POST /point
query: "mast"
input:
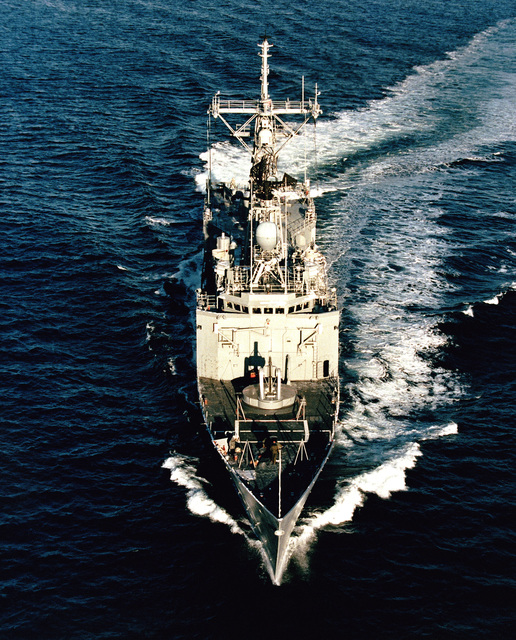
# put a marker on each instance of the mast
(264, 55)
(265, 108)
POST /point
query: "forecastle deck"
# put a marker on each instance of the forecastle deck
(246, 438)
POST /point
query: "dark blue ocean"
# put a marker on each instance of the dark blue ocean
(116, 520)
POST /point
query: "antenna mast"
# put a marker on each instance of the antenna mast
(264, 55)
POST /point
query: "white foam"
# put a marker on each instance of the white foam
(390, 476)
(157, 222)
(228, 161)
(382, 481)
(172, 366)
(184, 474)
(189, 270)
(439, 431)
(494, 300)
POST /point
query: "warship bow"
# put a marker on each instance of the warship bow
(267, 323)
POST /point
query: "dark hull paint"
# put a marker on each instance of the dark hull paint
(273, 533)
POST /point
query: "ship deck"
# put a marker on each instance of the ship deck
(304, 433)
(219, 400)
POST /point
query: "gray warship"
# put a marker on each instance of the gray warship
(267, 322)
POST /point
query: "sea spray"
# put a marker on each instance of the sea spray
(184, 474)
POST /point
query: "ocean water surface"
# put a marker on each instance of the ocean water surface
(117, 522)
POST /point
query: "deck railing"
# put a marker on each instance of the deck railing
(252, 106)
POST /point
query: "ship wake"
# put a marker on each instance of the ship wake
(183, 472)
(351, 493)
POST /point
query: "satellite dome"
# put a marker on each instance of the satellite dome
(267, 235)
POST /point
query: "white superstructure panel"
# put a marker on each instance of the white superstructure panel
(303, 346)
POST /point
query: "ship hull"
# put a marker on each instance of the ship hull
(273, 494)
(273, 533)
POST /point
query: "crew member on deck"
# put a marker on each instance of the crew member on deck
(275, 449)
(233, 448)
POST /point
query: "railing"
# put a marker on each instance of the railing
(206, 302)
(254, 430)
(310, 215)
(296, 284)
(239, 281)
(222, 106)
(251, 106)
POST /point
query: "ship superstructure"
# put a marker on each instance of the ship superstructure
(267, 323)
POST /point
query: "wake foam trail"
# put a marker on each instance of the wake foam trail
(432, 99)
(385, 479)
(184, 474)
(467, 96)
